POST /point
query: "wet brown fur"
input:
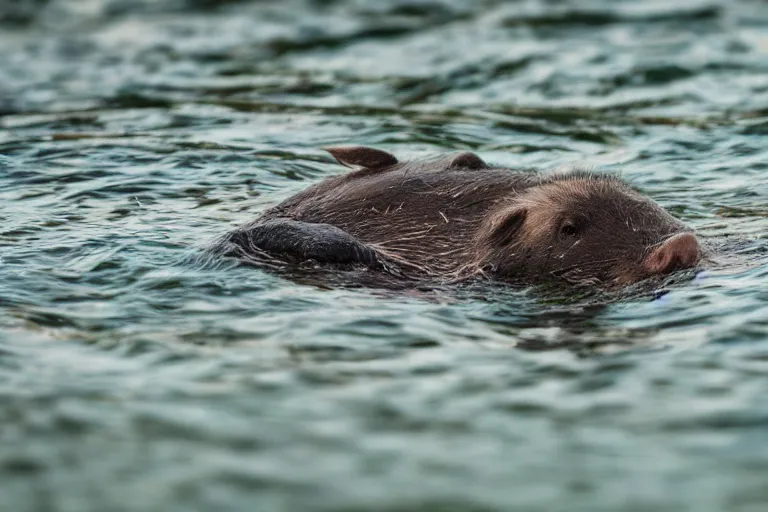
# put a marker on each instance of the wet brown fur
(456, 217)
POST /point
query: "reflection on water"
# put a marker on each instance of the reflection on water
(133, 133)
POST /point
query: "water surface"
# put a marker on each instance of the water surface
(135, 132)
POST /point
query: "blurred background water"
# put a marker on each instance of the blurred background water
(133, 132)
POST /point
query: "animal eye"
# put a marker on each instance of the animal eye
(568, 230)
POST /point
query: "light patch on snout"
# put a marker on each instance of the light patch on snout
(577, 242)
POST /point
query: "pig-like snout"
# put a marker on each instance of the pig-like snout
(677, 252)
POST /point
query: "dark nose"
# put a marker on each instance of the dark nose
(677, 252)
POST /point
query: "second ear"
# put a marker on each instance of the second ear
(508, 225)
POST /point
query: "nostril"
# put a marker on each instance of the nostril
(677, 252)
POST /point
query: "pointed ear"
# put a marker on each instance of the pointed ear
(361, 156)
(467, 160)
(507, 225)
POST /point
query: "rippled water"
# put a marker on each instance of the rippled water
(134, 132)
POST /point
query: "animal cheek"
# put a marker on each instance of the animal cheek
(626, 278)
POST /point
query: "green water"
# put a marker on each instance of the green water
(135, 132)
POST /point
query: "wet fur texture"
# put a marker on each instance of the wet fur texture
(455, 217)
